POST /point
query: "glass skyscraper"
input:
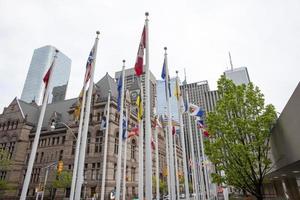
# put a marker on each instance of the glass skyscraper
(41, 60)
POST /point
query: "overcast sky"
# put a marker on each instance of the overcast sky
(263, 35)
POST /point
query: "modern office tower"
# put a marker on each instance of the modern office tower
(131, 81)
(33, 89)
(210, 99)
(161, 98)
(238, 75)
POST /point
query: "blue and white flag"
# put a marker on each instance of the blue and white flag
(164, 76)
(124, 128)
(195, 110)
(120, 82)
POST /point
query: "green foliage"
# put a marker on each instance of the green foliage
(5, 162)
(163, 187)
(63, 180)
(240, 132)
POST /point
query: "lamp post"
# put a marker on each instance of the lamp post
(75, 159)
(46, 177)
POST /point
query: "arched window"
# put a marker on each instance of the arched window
(133, 148)
(116, 143)
(8, 124)
(115, 171)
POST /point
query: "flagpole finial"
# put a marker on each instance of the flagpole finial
(124, 61)
(146, 14)
(98, 33)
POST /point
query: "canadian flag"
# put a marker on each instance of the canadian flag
(47, 76)
(140, 55)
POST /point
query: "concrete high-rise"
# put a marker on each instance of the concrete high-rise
(41, 60)
(238, 75)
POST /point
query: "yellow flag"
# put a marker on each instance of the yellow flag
(139, 104)
(78, 106)
(177, 91)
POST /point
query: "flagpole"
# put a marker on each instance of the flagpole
(125, 153)
(81, 159)
(186, 180)
(171, 172)
(119, 164)
(204, 167)
(105, 148)
(195, 174)
(176, 167)
(168, 161)
(156, 159)
(141, 152)
(76, 156)
(148, 154)
(38, 132)
(200, 162)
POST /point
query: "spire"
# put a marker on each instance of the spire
(230, 60)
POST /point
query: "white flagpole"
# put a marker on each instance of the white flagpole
(168, 160)
(156, 159)
(119, 164)
(105, 148)
(141, 153)
(186, 180)
(194, 164)
(38, 132)
(148, 153)
(76, 156)
(204, 167)
(81, 159)
(200, 161)
(176, 167)
(125, 155)
(172, 170)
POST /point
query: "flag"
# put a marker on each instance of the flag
(120, 82)
(78, 106)
(177, 92)
(103, 123)
(205, 133)
(133, 132)
(195, 110)
(124, 128)
(89, 63)
(164, 76)
(185, 105)
(140, 55)
(200, 124)
(47, 75)
(152, 143)
(173, 130)
(139, 105)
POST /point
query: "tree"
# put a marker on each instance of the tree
(5, 162)
(63, 180)
(239, 131)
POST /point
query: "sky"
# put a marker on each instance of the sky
(263, 35)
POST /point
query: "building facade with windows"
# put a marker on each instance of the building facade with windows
(17, 130)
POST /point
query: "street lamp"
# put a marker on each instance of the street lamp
(74, 174)
(46, 176)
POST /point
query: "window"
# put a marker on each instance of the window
(132, 174)
(93, 171)
(88, 142)
(98, 171)
(42, 156)
(133, 148)
(98, 142)
(85, 171)
(61, 154)
(98, 117)
(63, 140)
(116, 148)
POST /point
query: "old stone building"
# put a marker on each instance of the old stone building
(17, 130)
